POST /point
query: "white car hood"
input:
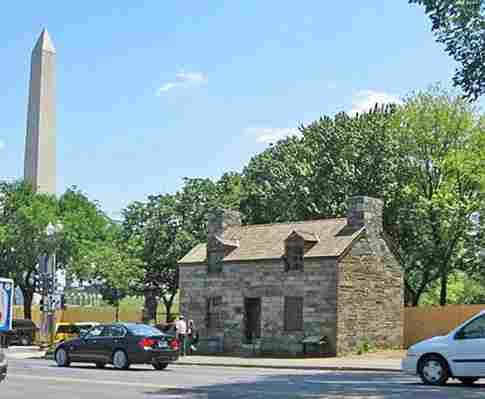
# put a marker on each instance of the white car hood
(428, 344)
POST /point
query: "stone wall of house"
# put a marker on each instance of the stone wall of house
(269, 281)
(370, 297)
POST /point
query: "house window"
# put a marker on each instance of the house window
(294, 255)
(214, 315)
(293, 313)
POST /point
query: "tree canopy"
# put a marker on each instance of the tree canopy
(441, 137)
(460, 26)
(24, 216)
(312, 177)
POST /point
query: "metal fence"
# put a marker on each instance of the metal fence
(105, 314)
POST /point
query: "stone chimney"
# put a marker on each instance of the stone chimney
(219, 219)
(365, 211)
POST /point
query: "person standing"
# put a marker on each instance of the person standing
(181, 326)
(192, 335)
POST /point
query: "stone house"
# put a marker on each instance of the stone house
(271, 286)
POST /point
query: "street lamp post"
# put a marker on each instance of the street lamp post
(48, 274)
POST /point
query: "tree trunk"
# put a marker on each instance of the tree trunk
(28, 294)
(409, 296)
(117, 311)
(150, 307)
(168, 308)
(444, 284)
(418, 294)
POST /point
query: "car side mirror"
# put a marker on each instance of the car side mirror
(460, 335)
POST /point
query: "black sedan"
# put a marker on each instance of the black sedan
(121, 345)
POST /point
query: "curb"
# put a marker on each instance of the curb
(278, 367)
(23, 348)
(296, 367)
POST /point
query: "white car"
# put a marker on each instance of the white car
(460, 355)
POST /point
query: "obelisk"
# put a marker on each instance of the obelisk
(40, 144)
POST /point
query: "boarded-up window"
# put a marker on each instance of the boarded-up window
(295, 252)
(214, 314)
(293, 313)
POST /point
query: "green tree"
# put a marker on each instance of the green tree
(114, 271)
(154, 234)
(460, 26)
(230, 190)
(24, 217)
(85, 226)
(461, 289)
(442, 138)
(312, 177)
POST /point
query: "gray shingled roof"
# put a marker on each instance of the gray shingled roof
(267, 241)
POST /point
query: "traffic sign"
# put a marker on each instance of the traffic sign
(6, 304)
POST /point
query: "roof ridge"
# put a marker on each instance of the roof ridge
(279, 223)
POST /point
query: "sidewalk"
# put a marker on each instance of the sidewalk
(376, 362)
(369, 362)
(24, 352)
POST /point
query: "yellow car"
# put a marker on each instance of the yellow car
(66, 331)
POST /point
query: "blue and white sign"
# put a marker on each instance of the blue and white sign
(6, 304)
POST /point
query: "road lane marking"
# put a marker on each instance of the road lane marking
(209, 370)
(85, 381)
(151, 386)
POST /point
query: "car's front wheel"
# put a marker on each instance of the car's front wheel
(160, 366)
(433, 370)
(467, 380)
(62, 357)
(120, 360)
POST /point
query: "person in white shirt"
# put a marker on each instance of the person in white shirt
(181, 326)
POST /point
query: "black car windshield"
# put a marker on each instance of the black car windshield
(143, 329)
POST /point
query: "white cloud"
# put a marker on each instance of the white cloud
(2, 144)
(166, 87)
(184, 80)
(268, 135)
(191, 77)
(364, 100)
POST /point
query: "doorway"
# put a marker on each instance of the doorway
(252, 313)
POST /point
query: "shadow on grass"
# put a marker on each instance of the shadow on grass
(324, 385)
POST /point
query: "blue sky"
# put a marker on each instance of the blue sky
(150, 92)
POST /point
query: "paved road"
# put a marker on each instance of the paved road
(41, 379)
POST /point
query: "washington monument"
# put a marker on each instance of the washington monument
(40, 143)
